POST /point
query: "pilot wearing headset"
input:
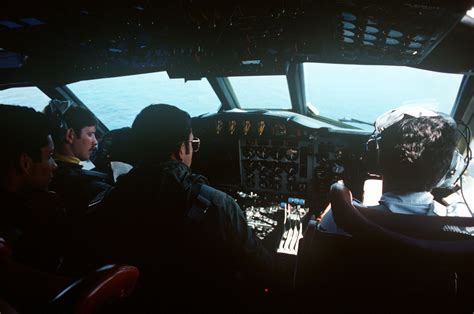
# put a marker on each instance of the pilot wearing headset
(415, 151)
(75, 141)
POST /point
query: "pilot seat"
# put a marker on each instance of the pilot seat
(386, 261)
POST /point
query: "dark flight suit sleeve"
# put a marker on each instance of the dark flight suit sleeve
(235, 230)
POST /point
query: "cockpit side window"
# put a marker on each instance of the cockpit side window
(25, 96)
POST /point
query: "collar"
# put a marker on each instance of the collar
(69, 159)
(418, 203)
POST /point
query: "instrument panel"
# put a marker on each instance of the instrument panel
(266, 162)
(268, 154)
(271, 164)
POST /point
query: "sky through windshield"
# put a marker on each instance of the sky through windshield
(365, 91)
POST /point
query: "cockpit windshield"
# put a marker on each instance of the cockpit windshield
(261, 92)
(355, 94)
(362, 92)
(116, 101)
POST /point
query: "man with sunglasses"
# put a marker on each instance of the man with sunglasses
(183, 234)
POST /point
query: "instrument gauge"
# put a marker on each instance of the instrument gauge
(246, 127)
(232, 127)
(261, 128)
(219, 126)
(279, 129)
(248, 152)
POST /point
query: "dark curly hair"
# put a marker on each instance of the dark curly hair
(415, 153)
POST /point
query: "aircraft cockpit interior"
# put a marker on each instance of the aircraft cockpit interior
(283, 97)
(277, 160)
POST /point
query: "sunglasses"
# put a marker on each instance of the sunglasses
(195, 143)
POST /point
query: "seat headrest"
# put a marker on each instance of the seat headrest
(114, 146)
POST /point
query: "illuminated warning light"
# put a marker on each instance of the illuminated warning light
(266, 290)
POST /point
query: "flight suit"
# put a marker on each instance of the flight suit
(197, 245)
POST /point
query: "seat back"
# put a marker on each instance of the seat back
(91, 293)
(114, 146)
(395, 259)
(439, 235)
(31, 289)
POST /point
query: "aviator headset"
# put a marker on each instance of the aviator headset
(56, 110)
(458, 163)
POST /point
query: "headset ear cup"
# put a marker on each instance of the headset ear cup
(373, 154)
(58, 126)
(53, 110)
(455, 171)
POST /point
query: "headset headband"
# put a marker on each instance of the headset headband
(60, 106)
(57, 110)
(391, 117)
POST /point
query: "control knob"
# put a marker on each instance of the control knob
(277, 154)
(337, 168)
(262, 153)
(291, 171)
(248, 152)
(292, 154)
(302, 187)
